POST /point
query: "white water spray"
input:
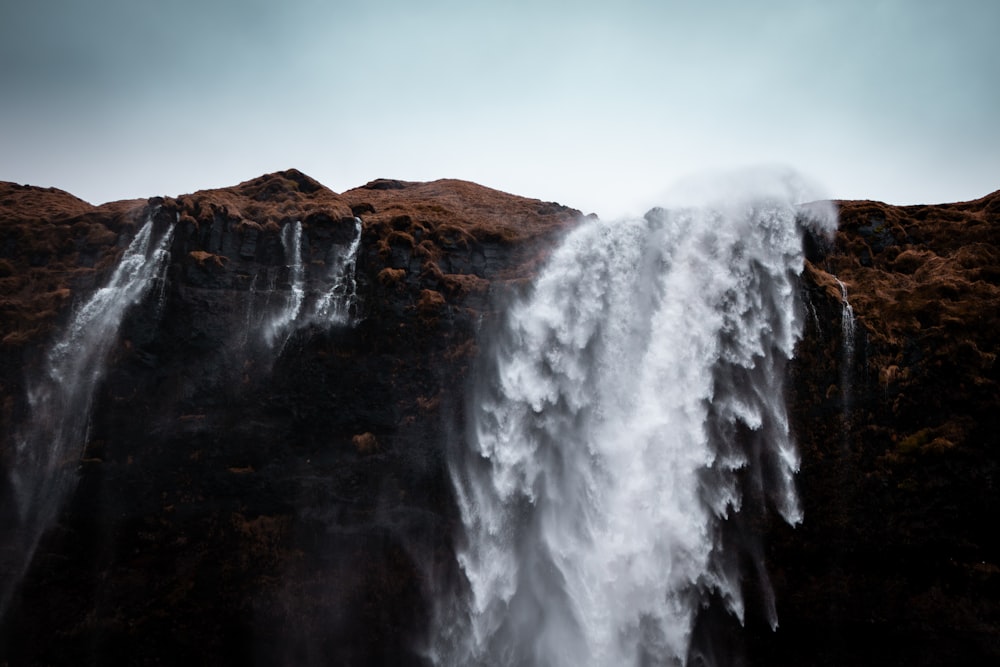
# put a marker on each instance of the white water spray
(330, 304)
(43, 472)
(280, 327)
(334, 305)
(643, 372)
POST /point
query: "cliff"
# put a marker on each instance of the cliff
(897, 561)
(287, 501)
(241, 502)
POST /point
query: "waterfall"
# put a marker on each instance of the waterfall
(622, 408)
(43, 472)
(334, 305)
(248, 322)
(847, 324)
(848, 328)
(280, 326)
(330, 304)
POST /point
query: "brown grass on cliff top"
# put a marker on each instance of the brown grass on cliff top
(454, 212)
(910, 269)
(267, 201)
(44, 233)
(435, 217)
(28, 203)
(448, 212)
(924, 282)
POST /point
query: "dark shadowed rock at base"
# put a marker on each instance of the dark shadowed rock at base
(286, 500)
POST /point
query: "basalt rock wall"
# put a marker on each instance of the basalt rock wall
(897, 561)
(242, 501)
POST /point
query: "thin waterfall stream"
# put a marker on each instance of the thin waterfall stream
(327, 301)
(847, 330)
(334, 305)
(43, 472)
(281, 325)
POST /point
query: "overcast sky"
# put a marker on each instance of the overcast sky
(597, 105)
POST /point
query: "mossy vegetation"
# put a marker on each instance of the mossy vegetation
(202, 257)
(899, 482)
(365, 443)
(52, 245)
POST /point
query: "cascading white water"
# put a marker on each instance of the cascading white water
(621, 399)
(334, 305)
(280, 327)
(43, 471)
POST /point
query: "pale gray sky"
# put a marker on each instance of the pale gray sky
(597, 105)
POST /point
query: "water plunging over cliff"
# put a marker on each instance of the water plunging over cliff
(323, 301)
(626, 405)
(280, 325)
(43, 472)
(847, 331)
(334, 305)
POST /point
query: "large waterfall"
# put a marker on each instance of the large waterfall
(43, 472)
(624, 410)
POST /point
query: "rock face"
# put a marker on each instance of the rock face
(286, 500)
(898, 561)
(243, 501)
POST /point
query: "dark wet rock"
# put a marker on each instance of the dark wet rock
(241, 507)
(897, 561)
(236, 505)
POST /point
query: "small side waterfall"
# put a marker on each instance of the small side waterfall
(43, 472)
(607, 434)
(280, 326)
(328, 301)
(848, 329)
(335, 304)
(847, 324)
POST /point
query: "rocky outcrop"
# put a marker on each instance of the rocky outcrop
(286, 501)
(240, 501)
